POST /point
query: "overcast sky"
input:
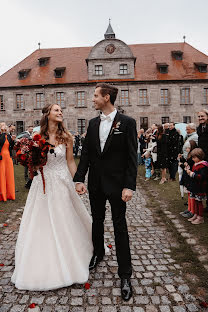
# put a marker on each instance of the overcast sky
(70, 23)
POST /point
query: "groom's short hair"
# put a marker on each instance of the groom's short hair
(108, 89)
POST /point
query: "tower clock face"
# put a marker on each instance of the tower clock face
(110, 48)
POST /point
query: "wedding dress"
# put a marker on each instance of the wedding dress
(54, 245)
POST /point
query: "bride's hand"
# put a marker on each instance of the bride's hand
(80, 188)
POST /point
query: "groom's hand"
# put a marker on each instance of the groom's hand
(127, 195)
(80, 188)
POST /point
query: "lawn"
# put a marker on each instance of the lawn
(168, 196)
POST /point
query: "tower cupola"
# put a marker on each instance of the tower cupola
(109, 34)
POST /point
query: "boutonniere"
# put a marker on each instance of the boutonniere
(115, 126)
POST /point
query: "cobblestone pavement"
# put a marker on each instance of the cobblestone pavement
(157, 279)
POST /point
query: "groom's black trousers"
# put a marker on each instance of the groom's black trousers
(118, 209)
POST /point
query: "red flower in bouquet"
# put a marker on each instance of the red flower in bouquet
(32, 153)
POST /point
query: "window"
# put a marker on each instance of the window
(185, 96)
(178, 55)
(205, 96)
(143, 97)
(23, 73)
(163, 68)
(81, 124)
(36, 123)
(40, 100)
(19, 101)
(19, 126)
(202, 67)
(123, 69)
(165, 120)
(98, 70)
(187, 119)
(81, 99)
(144, 123)
(59, 71)
(124, 97)
(1, 102)
(164, 96)
(60, 99)
(43, 61)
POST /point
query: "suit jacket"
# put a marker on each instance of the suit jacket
(27, 135)
(2, 141)
(116, 167)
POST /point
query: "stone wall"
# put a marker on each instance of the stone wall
(153, 110)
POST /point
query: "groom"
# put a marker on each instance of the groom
(110, 153)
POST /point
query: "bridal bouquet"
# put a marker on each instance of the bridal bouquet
(32, 153)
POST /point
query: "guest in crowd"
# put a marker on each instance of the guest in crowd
(162, 152)
(28, 134)
(202, 132)
(7, 184)
(142, 142)
(152, 149)
(198, 184)
(166, 128)
(148, 166)
(173, 151)
(76, 144)
(180, 141)
(184, 179)
(83, 138)
(139, 156)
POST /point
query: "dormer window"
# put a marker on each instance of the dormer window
(177, 55)
(23, 73)
(163, 68)
(59, 71)
(98, 70)
(202, 67)
(43, 61)
(123, 69)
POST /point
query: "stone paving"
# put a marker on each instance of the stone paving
(157, 280)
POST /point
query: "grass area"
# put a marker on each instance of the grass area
(21, 195)
(168, 196)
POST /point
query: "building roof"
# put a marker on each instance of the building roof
(147, 57)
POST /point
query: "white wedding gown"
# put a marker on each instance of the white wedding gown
(54, 245)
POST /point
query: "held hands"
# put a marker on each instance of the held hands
(126, 195)
(80, 188)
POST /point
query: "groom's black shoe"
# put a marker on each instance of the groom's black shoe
(126, 289)
(94, 262)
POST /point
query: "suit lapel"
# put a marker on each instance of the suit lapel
(110, 136)
(97, 137)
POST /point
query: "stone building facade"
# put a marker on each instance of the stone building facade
(157, 82)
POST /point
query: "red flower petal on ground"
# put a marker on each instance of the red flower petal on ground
(87, 286)
(1, 264)
(1, 210)
(110, 246)
(203, 304)
(5, 224)
(32, 306)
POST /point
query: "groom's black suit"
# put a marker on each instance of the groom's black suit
(110, 171)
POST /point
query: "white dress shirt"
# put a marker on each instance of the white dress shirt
(105, 126)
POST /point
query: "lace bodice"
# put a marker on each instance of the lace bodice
(56, 167)
(57, 160)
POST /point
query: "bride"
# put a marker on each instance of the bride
(54, 245)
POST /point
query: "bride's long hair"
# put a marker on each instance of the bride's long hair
(63, 136)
